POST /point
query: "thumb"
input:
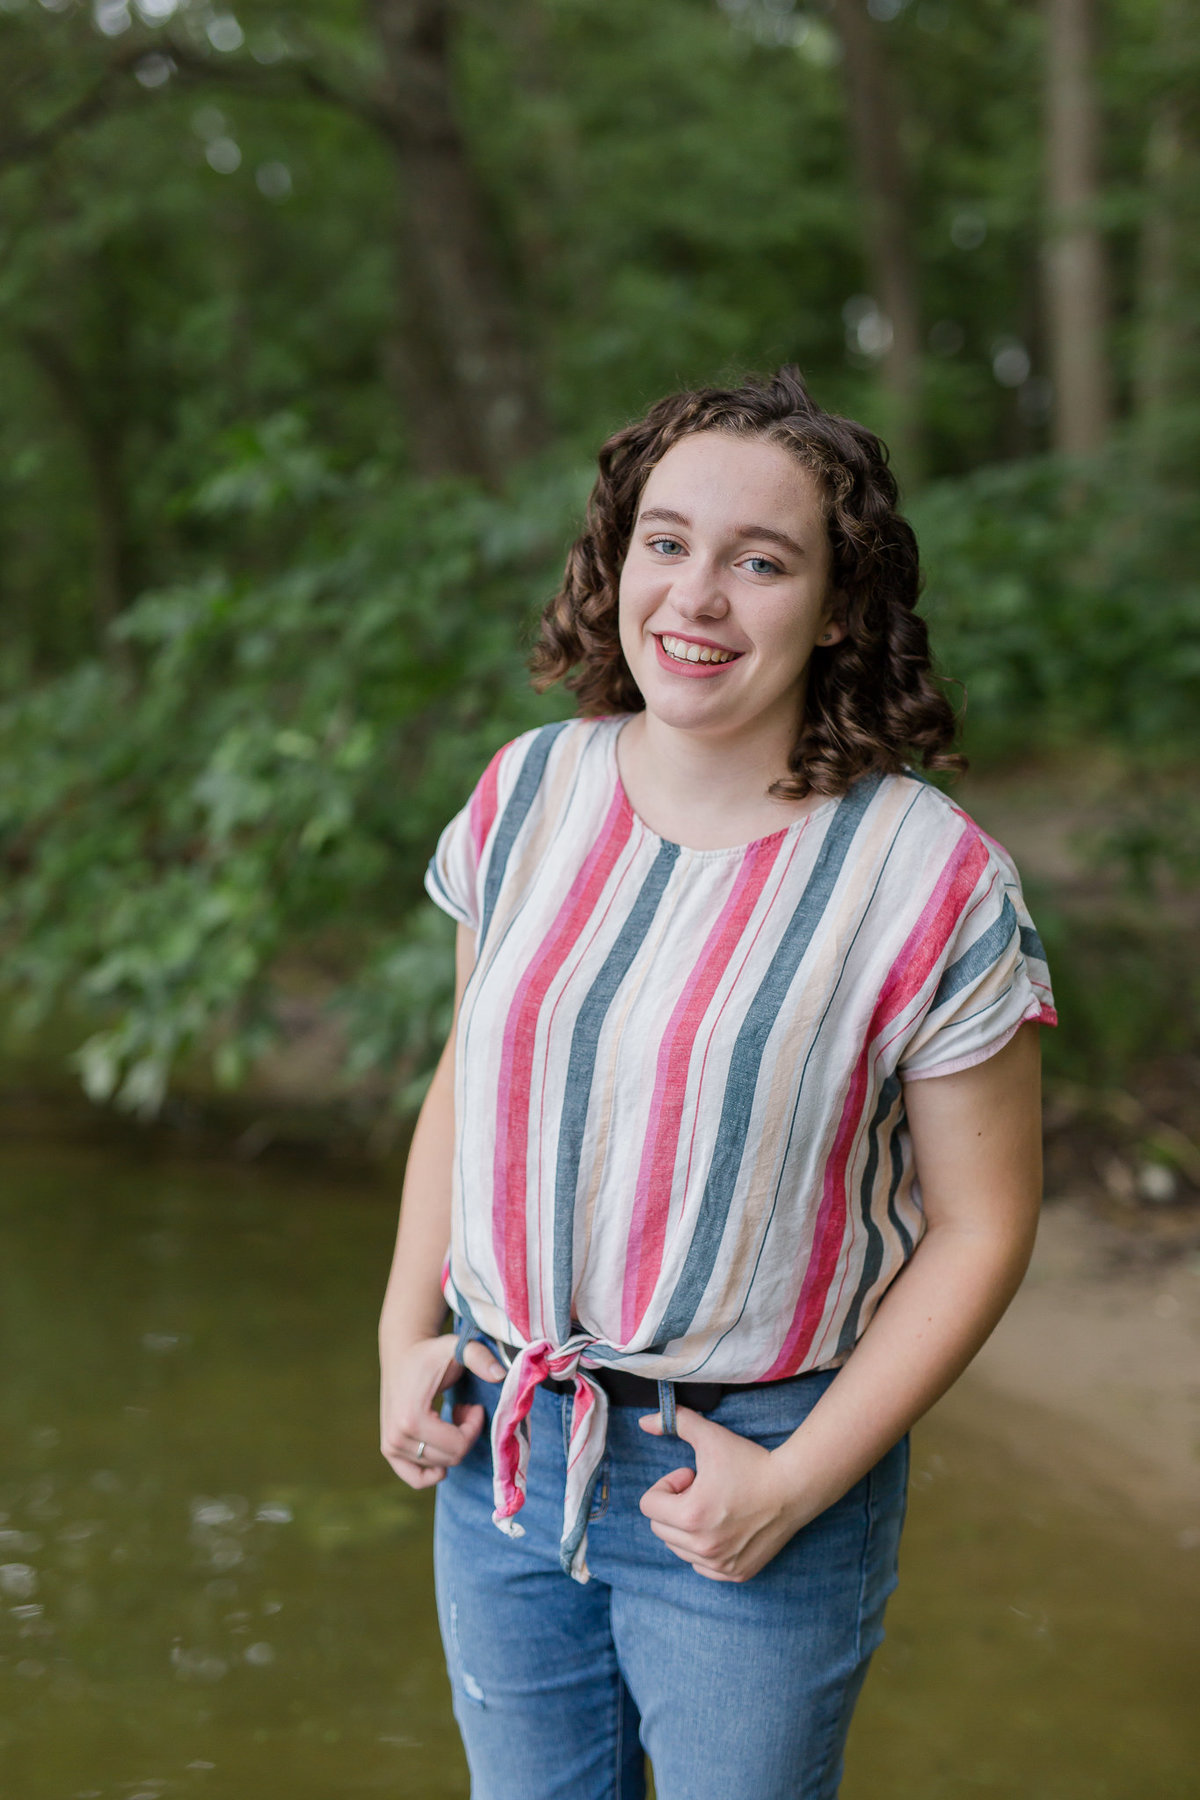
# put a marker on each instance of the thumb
(694, 1428)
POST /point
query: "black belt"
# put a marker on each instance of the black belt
(624, 1389)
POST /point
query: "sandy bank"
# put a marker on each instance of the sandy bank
(1094, 1372)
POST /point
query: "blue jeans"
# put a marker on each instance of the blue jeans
(730, 1688)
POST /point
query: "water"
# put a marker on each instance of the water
(211, 1585)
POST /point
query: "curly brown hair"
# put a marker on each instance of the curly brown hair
(872, 701)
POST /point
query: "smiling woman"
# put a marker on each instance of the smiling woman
(822, 517)
(734, 605)
(734, 1148)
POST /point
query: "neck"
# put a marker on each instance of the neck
(687, 785)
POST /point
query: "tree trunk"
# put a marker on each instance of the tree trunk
(1157, 346)
(888, 239)
(1075, 274)
(114, 580)
(1167, 343)
(473, 402)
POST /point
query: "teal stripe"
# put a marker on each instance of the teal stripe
(433, 879)
(1031, 943)
(746, 1061)
(889, 1094)
(514, 816)
(979, 958)
(898, 1225)
(581, 1069)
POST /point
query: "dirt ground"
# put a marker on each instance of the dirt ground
(1094, 1373)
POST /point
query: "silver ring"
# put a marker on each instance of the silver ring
(420, 1451)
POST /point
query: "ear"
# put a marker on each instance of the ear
(833, 628)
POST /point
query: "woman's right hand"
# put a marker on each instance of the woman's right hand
(412, 1378)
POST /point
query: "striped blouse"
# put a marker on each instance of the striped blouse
(681, 1142)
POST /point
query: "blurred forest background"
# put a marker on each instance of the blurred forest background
(311, 318)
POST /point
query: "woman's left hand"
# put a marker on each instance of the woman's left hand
(730, 1514)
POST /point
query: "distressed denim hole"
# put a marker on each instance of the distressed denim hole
(470, 1686)
(600, 1493)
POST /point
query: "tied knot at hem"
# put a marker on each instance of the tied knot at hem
(586, 1438)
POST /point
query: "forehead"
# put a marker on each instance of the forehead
(719, 472)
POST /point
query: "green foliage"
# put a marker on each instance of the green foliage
(276, 771)
(1065, 599)
(1127, 990)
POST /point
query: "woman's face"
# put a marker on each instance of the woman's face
(725, 587)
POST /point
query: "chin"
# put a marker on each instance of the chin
(684, 711)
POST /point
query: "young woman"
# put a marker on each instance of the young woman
(735, 1144)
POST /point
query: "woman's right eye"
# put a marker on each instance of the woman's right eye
(668, 546)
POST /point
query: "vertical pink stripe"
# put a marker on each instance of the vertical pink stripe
(652, 1198)
(985, 835)
(513, 1095)
(925, 945)
(484, 802)
(584, 1402)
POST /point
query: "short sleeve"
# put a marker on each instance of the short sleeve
(993, 978)
(453, 879)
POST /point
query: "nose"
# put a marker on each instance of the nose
(698, 591)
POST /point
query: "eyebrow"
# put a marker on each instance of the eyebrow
(665, 516)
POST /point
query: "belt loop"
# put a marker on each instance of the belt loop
(666, 1407)
(466, 1332)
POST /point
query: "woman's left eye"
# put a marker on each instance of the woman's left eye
(762, 565)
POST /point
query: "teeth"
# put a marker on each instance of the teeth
(685, 652)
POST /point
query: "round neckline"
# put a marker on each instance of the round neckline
(619, 725)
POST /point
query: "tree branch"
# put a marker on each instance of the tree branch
(298, 80)
(28, 146)
(295, 80)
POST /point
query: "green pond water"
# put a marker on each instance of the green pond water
(211, 1585)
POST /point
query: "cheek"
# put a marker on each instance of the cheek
(633, 607)
(795, 628)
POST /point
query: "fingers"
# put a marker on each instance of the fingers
(470, 1421)
(707, 1558)
(708, 1561)
(676, 1481)
(691, 1426)
(479, 1359)
(429, 1440)
(415, 1474)
(683, 1543)
(414, 1438)
(658, 1502)
(400, 1451)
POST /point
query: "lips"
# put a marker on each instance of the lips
(693, 657)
